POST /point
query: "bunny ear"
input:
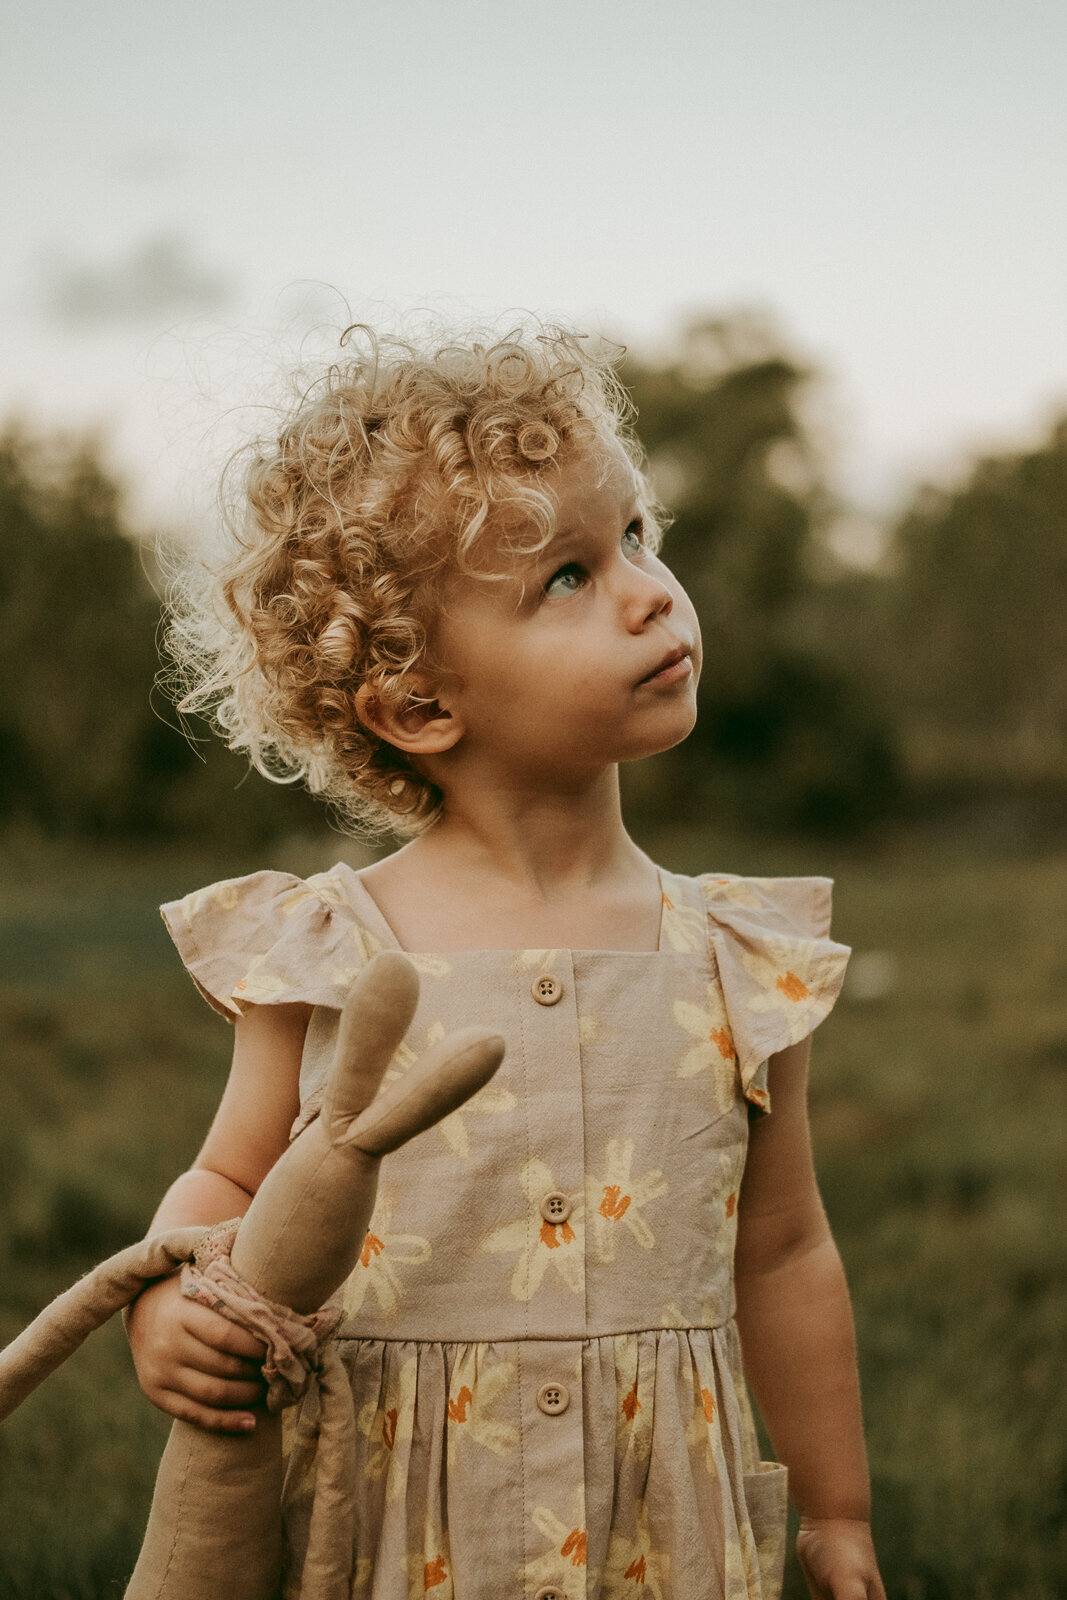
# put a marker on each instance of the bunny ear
(375, 1018)
(440, 1081)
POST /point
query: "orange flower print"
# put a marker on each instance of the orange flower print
(631, 1405)
(564, 1549)
(731, 1203)
(634, 1567)
(574, 1546)
(372, 1246)
(702, 1429)
(479, 1385)
(457, 1408)
(615, 1203)
(385, 1255)
(714, 1049)
(775, 968)
(548, 1244)
(386, 1423)
(619, 1195)
(792, 987)
(435, 1572)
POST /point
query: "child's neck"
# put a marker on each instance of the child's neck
(536, 870)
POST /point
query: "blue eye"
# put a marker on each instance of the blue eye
(632, 541)
(568, 580)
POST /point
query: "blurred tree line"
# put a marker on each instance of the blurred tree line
(833, 698)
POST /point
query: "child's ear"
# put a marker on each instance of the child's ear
(420, 726)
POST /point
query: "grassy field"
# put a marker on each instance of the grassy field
(938, 1104)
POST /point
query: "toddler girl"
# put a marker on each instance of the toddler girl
(445, 611)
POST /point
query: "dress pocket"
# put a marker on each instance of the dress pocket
(766, 1500)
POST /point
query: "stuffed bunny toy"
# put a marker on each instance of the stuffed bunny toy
(215, 1527)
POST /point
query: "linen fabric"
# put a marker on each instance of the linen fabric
(546, 1375)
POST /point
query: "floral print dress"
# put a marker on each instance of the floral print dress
(545, 1369)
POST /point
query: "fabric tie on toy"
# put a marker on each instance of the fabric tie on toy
(294, 1343)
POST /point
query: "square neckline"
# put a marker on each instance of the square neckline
(354, 879)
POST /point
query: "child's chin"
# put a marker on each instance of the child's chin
(666, 739)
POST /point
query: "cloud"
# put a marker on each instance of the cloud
(159, 277)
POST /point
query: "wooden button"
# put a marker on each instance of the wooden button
(552, 1398)
(555, 1207)
(545, 990)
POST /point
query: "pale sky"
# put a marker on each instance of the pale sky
(887, 180)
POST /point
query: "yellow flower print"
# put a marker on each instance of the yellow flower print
(258, 988)
(474, 1389)
(682, 928)
(708, 1314)
(226, 896)
(633, 1567)
(384, 1253)
(491, 1100)
(385, 1421)
(364, 947)
(563, 1564)
(533, 960)
(540, 1244)
(714, 1047)
(618, 1198)
(781, 986)
(429, 966)
(590, 1028)
(731, 890)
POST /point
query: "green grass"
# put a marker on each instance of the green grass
(938, 1112)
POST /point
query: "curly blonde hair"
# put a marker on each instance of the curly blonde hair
(400, 466)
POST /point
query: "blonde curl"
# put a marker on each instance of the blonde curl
(402, 464)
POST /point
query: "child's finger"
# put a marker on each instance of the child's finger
(217, 1394)
(213, 1420)
(219, 1364)
(220, 1334)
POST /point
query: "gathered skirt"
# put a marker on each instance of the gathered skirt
(674, 1502)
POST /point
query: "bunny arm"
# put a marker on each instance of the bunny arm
(214, 1530)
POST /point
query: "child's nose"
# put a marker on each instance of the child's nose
(647, 598)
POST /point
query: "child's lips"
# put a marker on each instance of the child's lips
(675, 667)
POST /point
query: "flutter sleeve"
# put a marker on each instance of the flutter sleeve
(779, 971)
(269, 939)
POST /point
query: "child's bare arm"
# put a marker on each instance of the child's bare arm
(796, 1329)
(192, 1362)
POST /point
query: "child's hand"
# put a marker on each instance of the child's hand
(836, 1555)
(193, 1363)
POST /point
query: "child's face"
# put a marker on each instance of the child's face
(589, 654)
